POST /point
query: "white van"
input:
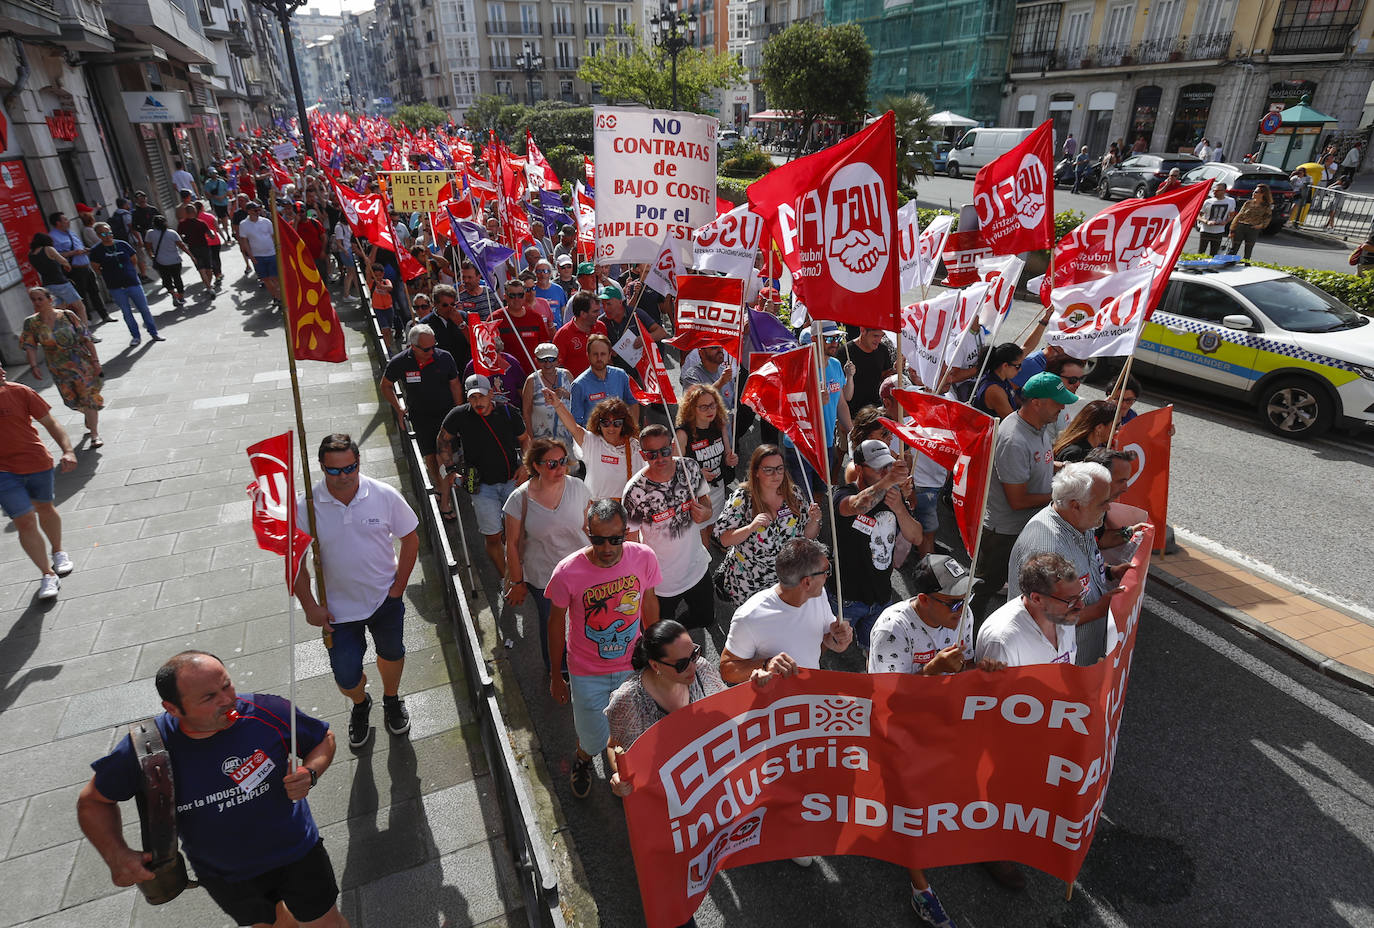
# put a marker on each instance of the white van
(979, 147)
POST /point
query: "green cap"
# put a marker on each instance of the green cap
(1048, 386)
(586, 267)
(610, 291)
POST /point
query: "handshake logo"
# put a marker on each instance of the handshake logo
(856, 228)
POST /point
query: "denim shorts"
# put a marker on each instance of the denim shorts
(266, 266)
(487, 503)
(63, 293)
(18, 492)
(387, 625)
(591, 695)
(928, 508)
(860, 615)
(386, 318)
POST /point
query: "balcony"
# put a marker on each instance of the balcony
(30, 18)
(1205, 47)
(83, 26)
(500, 27)
(564, 28)
(257, 91)
(531, 28)
(566, 64)
(500, 62)
(590, 29)
(164, 24)
(1311, 40)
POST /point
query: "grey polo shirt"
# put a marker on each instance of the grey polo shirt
(1048, 532)
(1022, 454)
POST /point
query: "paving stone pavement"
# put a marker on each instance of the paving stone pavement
(157, 523)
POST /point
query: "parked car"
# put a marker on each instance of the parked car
(1241, 181)
(1141, 175)
(1300, 356)
(979, 147)
(727, 140)
(1063, 174)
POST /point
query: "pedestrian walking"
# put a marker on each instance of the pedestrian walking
(70, 356)
(429, 378)
(122, 266)
(166, 248)
(52, 271)
(1253, 218)
(73, 250)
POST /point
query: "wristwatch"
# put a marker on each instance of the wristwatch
(314, 777)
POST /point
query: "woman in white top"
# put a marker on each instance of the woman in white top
(609, 443)
(539, 414)
(544, 519)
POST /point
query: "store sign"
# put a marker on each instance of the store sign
(62, 125)
(162, 106)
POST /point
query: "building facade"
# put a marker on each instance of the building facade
(1176, 71)
(766, 18)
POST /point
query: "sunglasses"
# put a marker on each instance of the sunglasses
(834, 339)
(336, 471)
(665, 452)
(1072, 379)
(1016, 365)
(423, 348)
(553, 360)
(554, 463)
(515, 294)
(448, 302)
(951, 606)
(772, 470)
(613, 423)
(820, 573)
(598, 540)
(688, 661)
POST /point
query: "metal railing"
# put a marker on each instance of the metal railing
(1337, 212)
(1308, 40)
(1203, 47)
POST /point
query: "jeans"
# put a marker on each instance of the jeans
(861, 616)
(591, 694)
(700, 600)
(542, 607)
(171, 279)
(124, 296)
(1244, 235)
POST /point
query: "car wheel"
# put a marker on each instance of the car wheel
(1104, 190)
(1296, 407)
(1141, 191)
(953, 170)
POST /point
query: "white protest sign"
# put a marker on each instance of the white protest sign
(656, 174)
(626, 347)
(729, 243)
(283, 150)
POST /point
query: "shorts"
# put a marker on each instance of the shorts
(426, 435)
(18, 492)
(700, 601)
(928, 508)
(266, 266)
(200, 257)
(591, 694)
(387, 625)
(221, 210)
(487, 502)
(307, 886)
(63, 293)
(386, 318)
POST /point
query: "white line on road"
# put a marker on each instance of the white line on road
(1281, 682)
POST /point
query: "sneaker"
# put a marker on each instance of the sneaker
(803, 861)
(580, 777)
(928, 908)
(62, 563)
(135, 342)
(93, 338)
(359, 725)
(49, 585)
(158, 338)
(395, 715)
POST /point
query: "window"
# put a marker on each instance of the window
(562, 19)
(1214, 16)
(536, 89)
(563, 55)
(1208, 304)
(529, 19)
(500, 53)
(594, 26)
(1116, 32)
(622, 18)
(503, 87)
(1077, 24)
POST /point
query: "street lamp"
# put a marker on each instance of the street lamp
(282, 9)
(673, 31)
(532, 63)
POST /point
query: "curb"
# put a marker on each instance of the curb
(1320, 238)
(1320, 662)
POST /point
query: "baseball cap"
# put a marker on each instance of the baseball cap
(610, 291)
(939, 573)
(565, 261)
(477, 384)
(546, 351)
(874, 454)
(586, 267)
(1048, 386)
(83, 208)
(768, 295)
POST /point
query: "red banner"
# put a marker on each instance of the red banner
(658, 386)
(1014, 196)
(486, 357)
(920, 771)
(311, 322)
(834, 216)
(710, 311)
(274, 501)
(1149, 435)
(962, 251)
(960, 439)
(784, 389)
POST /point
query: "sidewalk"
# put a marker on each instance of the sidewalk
(157, 522)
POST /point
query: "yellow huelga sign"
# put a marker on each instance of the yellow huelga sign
(415, 191)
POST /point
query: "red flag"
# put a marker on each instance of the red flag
(246, 185)
(586, 221)
(274, 501)
(479, 188)
(486, 358)
(367, 216)
(590, 170)
(709, 312)
(658, 386)
(1148, 436)
(834, 216)
(957, 437)
(280, 179)
(1014, 196)
(539, 165)
(311, 322)
(961, 255)
(784, 389)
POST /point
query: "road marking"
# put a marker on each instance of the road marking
(1280, 681)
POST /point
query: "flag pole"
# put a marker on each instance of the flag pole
(819, 349)
(734, 373)
(945, 366)
(978, 538)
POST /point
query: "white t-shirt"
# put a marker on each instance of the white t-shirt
(662, 514)
(550, 534)
(765, 627)
(183, 180)
(356, 544)
(1010, 635)
(258, 234)
(901, 642)
(1212, 216)
(606, 467)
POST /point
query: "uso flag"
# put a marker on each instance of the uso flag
(486, 358)
(834, 216)
(311, 323)
(1014, 196)
(274, 501)
(1148, 436)
(784, 389)
(710, 311)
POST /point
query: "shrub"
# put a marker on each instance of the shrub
(746, 159)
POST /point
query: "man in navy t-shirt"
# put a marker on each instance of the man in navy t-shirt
(241, 816)
(122, 266)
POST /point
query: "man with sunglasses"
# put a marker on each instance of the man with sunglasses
(429, 377)
(546, 289)
(440, 313)
(603, 598)
(1067, 527)
(121, 266)
(522, 329)
(1070, 371)
(357, 522)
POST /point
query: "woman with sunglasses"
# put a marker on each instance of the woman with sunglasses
(1069, 370)
(763, 514)
(609, 444)
(543, 526)
(701, 434)
(1089, 429)
(996, 395)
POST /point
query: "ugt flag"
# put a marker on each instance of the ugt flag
(311, 323)
(957, 437)
(930, 245)
(486, 357)
(1014, 196)
(834, 215)
(1148, 436)
(925, 332)
(658, 386)
(785, 390)
(273, 492)
(709, 312)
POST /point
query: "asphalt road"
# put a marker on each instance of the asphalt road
(1283, 248)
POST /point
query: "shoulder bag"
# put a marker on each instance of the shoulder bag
(157, 815)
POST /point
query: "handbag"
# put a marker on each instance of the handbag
(157, 815)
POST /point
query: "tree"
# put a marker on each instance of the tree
(915, 154)
(817, 71)
(420, 116)
(643, 75)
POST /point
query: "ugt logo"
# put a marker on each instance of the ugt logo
(856, 228)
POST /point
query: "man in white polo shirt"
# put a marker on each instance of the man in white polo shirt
(356, 520)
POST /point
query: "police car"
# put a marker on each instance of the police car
(1304, 359)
